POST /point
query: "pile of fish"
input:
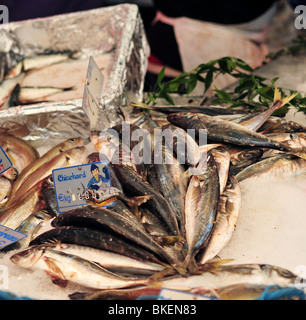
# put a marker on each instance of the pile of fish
(23, 84)
(172, 217)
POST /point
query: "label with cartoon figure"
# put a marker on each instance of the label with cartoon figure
(78, 186)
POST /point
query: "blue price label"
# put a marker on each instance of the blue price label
(78, 186)
(9, 236)
(5, 162)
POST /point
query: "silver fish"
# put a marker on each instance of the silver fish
(226, 219)
(201, 205)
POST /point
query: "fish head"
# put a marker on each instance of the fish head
(28, 257)
(76, 156)
(12, 173)
(71, 143)
(246, 157)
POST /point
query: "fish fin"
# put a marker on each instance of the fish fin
(139, 200)
(60, 282)
(167, 240)
(287, 99)
(212, 265)
(155, 279)
(277, 95)
(54, 271)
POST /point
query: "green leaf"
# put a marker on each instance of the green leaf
(160, 76)
(208, 80)
(223, 96)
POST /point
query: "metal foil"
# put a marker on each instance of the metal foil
(115, 29)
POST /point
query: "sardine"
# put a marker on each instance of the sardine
(95, 239)
(64, 267)
(226, 219)
(173, 183)
(49, 196)
(201, 205)
(224, 131)
(226, 275)
(104, 219)
(133, 183)
(283, 165)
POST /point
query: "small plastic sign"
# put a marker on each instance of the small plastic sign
(92, 92)
(170, 294)
(5, 162)
(9, 236)
(78, 186)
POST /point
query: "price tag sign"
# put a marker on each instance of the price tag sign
(9, 236)
(78, 186)
(5, 162)
(92, 92)
(170, 294)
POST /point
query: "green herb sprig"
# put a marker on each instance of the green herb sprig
(252, 91)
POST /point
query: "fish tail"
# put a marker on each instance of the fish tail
(278, 101)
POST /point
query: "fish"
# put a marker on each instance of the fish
(224, 131)
(20, 152)
(201, 204)
(117, 294)
(210, 110)
(183, 144)
(102, 218)
(38, 94)
(21, 209)
(222, 158)
(173, 183)
(30, 226)
(13, 100)
(234, 274)
(95, 239)
(296, 141)
(64, 267)
(5, 188)
(107, 259)
(255, 122)
(43, 60)
(11, 174)
(242, 157)
(279, 125)
(40, 161)
(49, 196)
(282, 165)
(226, 220)
(70, 157)
(133, 183)
(240, 291)
(7, 86)
(15, 71)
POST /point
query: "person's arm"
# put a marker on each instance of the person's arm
(106, 173)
